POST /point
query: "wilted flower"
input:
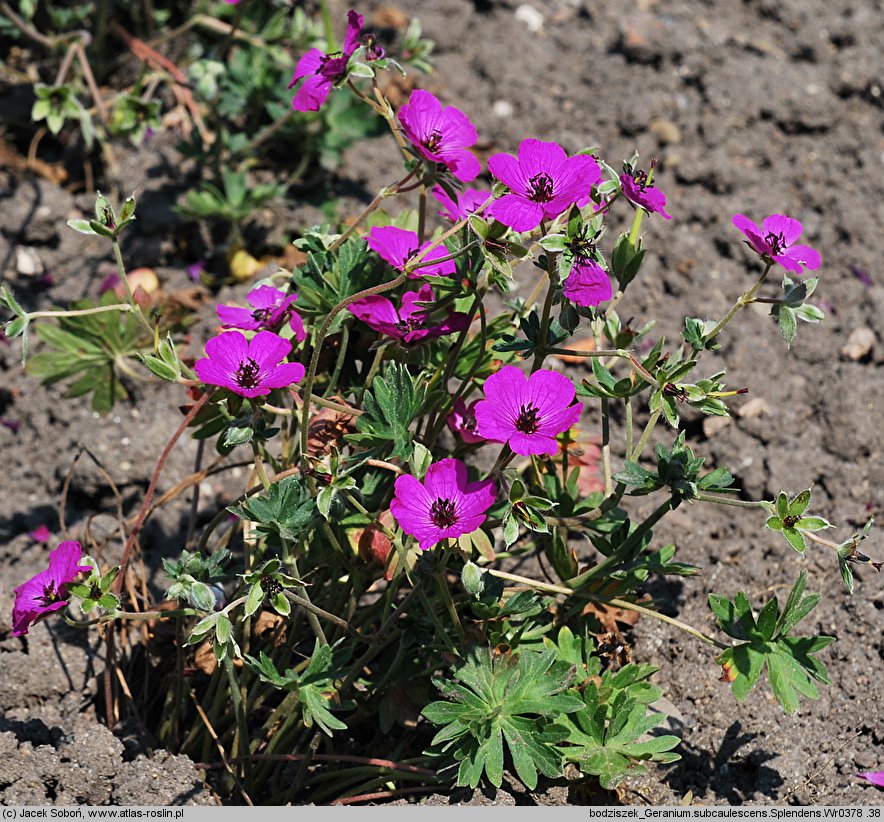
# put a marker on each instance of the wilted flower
(250, 368)
(398, 246)
(587, 284)
(462, 420)
(47, 591)
(639, 192)
(527, 412)
(775, 240)
(444, 506)
(271, 308)
(195, 270)
(409, 323)
(469, 201)
(320, 71)
(543, 182)
(440, 135)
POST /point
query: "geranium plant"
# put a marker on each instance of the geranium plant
(406, 447)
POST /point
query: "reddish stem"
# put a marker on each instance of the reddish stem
(130, 543)
(369, 797)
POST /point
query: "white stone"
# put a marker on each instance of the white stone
(531, 17)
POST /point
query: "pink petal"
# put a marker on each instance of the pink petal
(297, 326)
(444, 269)
(232, 316)
(312, 94)
(875, 777)
(227, 350)
(354, 29)
(376, 311)
(267, 349)
(778, 224)
(801, 255)
(506, 168)
(752, 232)
(457, 131)
(517, 212)
(421, 116)
(538, 157)
(284, 375)
(307, 65)
(392, 244)
(462, 164)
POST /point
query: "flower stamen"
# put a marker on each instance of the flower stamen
(443, 513)
(541, 188)
(528, 421)
(246, 375)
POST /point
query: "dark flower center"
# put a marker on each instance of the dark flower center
(528, 421)
(443, 513)
(410, 323)
(246, 375)
(777, 242)
(333, 66)
(268, 317)
(470, 423)
(373, 49)
(270, 586)
(541, 188)
(582, 245)
(50, 595)
(640, 178)
(434, 141)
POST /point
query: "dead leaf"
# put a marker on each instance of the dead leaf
(585, 344)
(389, 17)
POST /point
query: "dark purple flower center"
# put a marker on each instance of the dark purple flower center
(411, 323)
(528, 421)
(541, 188)
(373, 49)
(271, 317)
(333, 66)
(470, 423)
(270, 586)
(50, 595)
(443, 513)
(434, 141)
(582, 245)
(640, 178)
(777, 242)
(246, 375)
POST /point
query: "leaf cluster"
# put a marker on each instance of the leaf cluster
(766, 641)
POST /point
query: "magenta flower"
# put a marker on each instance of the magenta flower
(398, 246)
(271, 308)
(543, 182)
(469, 201)
(40, 534)
(587, 284)
(637, 190)
(444, 505)
(875, 777)
(462, 421)
(409, 323)
(440, 135)
(248, 368)
(527, 412)
(47, 591)
(320, 71)
(775, 240)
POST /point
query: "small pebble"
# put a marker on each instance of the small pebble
(27, 263)
(753, 408)
(712, 425)
(531, 17)
(666, 132)
(503, 108)
(860, 342)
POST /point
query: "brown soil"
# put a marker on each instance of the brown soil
(753, 107)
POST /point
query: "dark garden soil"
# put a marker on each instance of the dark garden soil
(752, 106)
